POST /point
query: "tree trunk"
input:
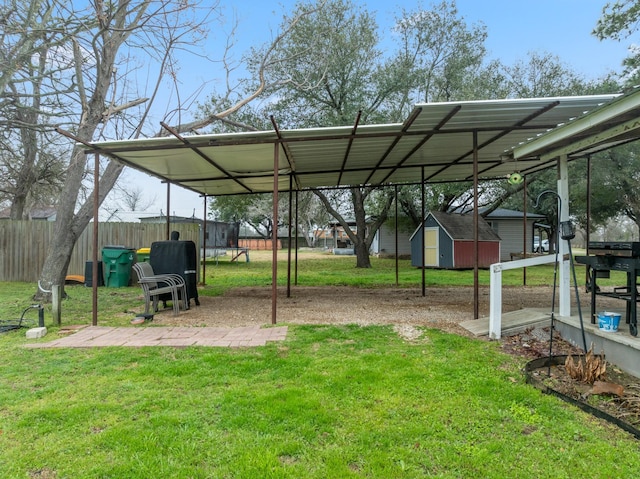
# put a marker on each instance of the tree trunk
(364, 234)
(69, 227)
(69, 224)
(359, 239)
(363, 259)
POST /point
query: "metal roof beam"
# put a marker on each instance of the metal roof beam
(287, 151)
(196, 150)
(438, 127)
(349, 145)
(600, 115)
(624, 132)
(505, 132)
(114, 150)
(405, 127)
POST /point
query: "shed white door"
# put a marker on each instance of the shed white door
(431, 247)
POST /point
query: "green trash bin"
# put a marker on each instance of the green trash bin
(117, 262)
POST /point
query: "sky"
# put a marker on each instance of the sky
(514, 27)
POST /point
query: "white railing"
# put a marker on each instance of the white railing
(495, 292)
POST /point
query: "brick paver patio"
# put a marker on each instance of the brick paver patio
(102, 336)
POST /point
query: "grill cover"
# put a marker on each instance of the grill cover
(177, 257)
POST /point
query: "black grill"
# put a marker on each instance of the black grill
(614, 256)
(629, 249)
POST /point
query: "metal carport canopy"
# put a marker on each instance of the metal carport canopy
(438, 142)
(436, 137)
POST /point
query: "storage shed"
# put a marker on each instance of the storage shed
(509, 225)
(449, 242)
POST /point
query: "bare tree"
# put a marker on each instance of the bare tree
(104, 58)
(32, 97)
(105, 64)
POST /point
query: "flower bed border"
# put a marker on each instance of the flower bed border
(546, 362)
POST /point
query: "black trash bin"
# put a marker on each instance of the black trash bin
(88, 274)
(177, 257)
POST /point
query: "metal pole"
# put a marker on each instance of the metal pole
(94, 270)
(524, 229)
(588, 235)
(396, 227)
(422, 212)
(289, 234)
(168, 210)
(476, 250)
(296, 250)
(205, 234)
(274, 236)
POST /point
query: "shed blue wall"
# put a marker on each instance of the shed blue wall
(445, 245)
(416, 249)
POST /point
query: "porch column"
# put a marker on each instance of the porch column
(563, 250)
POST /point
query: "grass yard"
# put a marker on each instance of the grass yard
(329, 402)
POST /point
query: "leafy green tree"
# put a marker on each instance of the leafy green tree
(619, 21)
(252, 210)
(331, 71)
(438, 53)
(542, 75)
(615, 171)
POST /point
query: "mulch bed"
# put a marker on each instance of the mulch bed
(534, 344)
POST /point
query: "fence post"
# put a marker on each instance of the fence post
(56, 309)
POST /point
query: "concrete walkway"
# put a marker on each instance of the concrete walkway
(102, 336)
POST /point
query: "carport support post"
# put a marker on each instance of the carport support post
(296, 243)
(524, 230)
(289, 237)
(563, 250)
(395, 194)
(168, 209)
(94, 259)
(422, 241)
(476, 249)
(274, 235)
(204, 242)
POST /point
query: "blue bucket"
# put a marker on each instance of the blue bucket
(608, 321)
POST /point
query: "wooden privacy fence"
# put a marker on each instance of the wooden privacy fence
(258, 244)
(23, 244)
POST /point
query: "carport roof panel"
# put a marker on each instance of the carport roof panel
(602, 128)
(436, 136)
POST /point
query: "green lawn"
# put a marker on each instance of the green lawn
(329, 402)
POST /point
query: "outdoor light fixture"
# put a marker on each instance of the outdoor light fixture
(515, 178)
(567, 230)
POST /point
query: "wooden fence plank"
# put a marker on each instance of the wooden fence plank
(23, 244)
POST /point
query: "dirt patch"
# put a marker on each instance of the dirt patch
(440, 307)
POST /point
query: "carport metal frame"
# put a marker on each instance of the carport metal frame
(507, 135)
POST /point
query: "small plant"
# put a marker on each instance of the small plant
(588, 369)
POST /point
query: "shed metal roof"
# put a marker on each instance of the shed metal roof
(436, 137)
(460, 227)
